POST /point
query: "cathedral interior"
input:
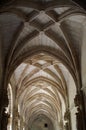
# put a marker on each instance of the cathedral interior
(42, 65)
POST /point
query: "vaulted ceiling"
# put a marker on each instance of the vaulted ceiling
(41, 87)
(26, 24)
(41, 49)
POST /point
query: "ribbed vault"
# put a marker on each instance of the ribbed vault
(41, 88)
(42, 43)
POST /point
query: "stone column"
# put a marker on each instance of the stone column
(21, 123)
(15, 118)
(4, 120)
(4, 116)
(61, 125)
(79, 119)
(68, 120)
(66, 126)
(84, 94)
(80, 116)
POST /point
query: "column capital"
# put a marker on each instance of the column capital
(67, 115)
(84, 89)
(77, 100)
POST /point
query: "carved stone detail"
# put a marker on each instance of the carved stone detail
(67, 119)
(77, 100)
(66, 126)
(66, 116)
(79, 119)
(4, 120)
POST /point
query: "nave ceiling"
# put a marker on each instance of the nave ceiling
(41, 51)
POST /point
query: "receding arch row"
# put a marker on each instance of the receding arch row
(30, 97)
(44, 109)
(61, 78)
(47, 71)
(26, 84)
(42, 105)
(40, 112)
(55, 66)
(46, 50)
(45, 80)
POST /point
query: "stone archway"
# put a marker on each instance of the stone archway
(51, 27)
(38, 64)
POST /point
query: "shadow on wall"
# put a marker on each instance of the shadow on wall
(82, 3)
(3, 2)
